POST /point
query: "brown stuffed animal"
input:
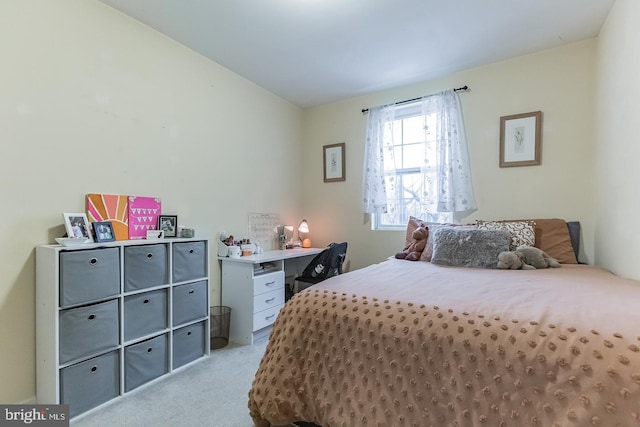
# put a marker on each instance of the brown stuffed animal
(414, 249)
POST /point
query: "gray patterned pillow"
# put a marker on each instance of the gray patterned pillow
(522, 232)
(460, 247)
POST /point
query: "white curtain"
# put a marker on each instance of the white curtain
(374, 186)
(453, 190)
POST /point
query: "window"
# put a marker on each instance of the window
(416, 162)
(409, 168)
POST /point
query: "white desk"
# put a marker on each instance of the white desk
(254, 287)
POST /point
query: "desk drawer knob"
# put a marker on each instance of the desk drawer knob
(270, 300)
(270, 317)
(270, 283)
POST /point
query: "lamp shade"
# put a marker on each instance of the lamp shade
(304, 226)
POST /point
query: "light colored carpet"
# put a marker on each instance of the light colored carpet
(212, 392)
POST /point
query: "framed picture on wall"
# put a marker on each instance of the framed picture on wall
(333, 159)
(77, 225)
(168, 224)
(520, 139)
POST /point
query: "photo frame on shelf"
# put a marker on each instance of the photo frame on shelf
(334, 162)
(103, 230)
(520, 139)
(77, 225)
(168, 224)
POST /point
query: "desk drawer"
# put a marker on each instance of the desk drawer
(265, 317)
(268, 282)
(268, 300)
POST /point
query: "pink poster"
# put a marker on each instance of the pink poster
(143, 216)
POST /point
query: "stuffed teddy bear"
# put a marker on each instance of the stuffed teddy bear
(414, 249)
(526, 258)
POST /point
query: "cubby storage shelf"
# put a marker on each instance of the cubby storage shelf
(111, 317)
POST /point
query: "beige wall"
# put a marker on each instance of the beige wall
(132, 112)
(618, 149)
(560, 82)
(92, 101)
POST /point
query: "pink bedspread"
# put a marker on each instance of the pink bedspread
(413, 344)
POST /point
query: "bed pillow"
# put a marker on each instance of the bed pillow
(411, 226)
(469, 247)
(552, 236)
(427, 253)
(522, 232)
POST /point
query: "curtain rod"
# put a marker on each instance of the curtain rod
(459, 89)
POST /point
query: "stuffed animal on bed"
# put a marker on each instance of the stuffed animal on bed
(526, 258)
(414, 249)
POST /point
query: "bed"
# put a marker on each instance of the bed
(403, 343)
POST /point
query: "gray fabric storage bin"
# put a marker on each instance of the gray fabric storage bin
(89, 329)
(145, 361)
(188, 344)
(189, 302)
(145, 266)
(145, 313)
(88, 384)
(89, 275)
(189, 261)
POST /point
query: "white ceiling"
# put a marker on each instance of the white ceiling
(312, 52)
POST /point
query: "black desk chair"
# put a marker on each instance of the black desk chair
(327, 263)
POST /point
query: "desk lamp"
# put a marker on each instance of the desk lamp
(304, 228)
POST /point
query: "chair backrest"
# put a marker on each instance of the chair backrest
(327, 263)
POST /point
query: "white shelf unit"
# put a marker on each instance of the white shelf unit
(112, 317)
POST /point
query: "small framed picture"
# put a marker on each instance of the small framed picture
(333, 158)
(103, 232)
(77, 225)
(168, 224)
(520, 137)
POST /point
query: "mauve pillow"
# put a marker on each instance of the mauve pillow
(411, 226)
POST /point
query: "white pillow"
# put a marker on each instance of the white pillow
(522, 232)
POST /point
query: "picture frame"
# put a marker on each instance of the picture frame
(103, 231)
(168, 224)
(333, 162)
(520, 139)
(77, 225)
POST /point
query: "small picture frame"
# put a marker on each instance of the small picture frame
(77, 225)
(168, 224)
(520, 139)
(333, 161)
(103, 230)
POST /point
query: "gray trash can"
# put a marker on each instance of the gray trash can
(219, 319)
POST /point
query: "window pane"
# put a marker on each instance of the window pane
(413, 130)
(410, 159)
(413, 156)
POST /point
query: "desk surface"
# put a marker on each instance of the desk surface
(274, 255)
